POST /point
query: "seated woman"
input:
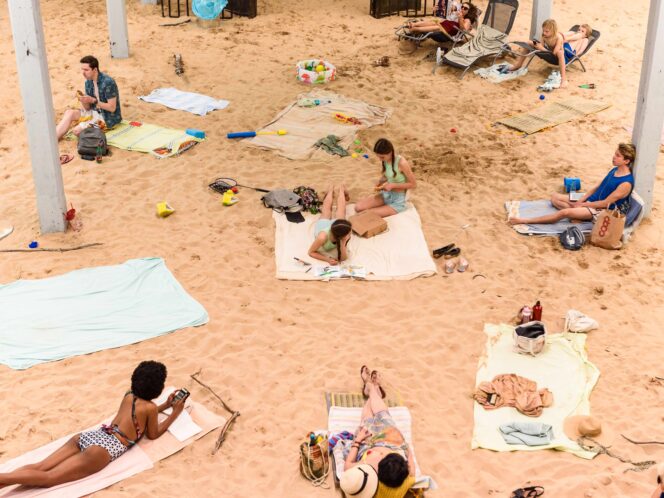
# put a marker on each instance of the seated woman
(378, 442)
(397, 179)
(464, 19)
(332, 234)
(91, 451)
(611, 193)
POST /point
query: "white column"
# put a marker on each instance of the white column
(541, 12)
(116, 11)
(649, 116)
(28, 34)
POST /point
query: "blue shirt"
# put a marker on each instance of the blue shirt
(609, 185)
(107, 90)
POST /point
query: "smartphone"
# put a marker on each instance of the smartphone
(180, 394)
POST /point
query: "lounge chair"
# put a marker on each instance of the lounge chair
(402, 33)
(488, 41)
(547, 56)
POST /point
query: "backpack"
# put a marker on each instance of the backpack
(530, 338)
(88, 140)
(310, 201)
(572, 238)
(282, 201)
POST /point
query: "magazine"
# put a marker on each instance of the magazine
(339, 271)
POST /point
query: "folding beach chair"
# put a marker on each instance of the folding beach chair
(547, 56)
(402, 33)
(488, 41)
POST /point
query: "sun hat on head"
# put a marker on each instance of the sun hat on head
(578, 426)
(360, 481)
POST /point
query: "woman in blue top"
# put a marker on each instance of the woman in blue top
(397, 179)
(612, 192)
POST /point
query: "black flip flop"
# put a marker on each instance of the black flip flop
(452, 253)
(528, 492)
(437, 253)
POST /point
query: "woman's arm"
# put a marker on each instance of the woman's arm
(352, 455)
(620, 192)
(572, 36)
(317, 244)
(156, 428)
(404, 167)
(166, 404)
(344, 247)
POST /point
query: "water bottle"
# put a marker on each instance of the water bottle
(526, 314)
(100, 151)
(537, 312)
(312, 439)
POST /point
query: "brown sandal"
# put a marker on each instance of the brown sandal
(374, 379)
(365, 375)
(529, 492)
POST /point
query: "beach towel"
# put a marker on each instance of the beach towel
(141, 457)
(348, 419)
(152, 139)
(487, 41)
(307, 125)
(185, 101)
(553, 114)
(91, 309)
(562, 367)
(494, 74)
(400, 253)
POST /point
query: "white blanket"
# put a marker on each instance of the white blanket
(562, 367)
(185, 101)
(400, 253)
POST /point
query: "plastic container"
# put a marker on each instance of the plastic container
(307, 73)
(537, 312)
(195, 133)
(572, 184)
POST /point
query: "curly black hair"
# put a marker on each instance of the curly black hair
(147, 381)
(393, 470)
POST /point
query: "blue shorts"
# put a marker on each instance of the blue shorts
(396, 200)
(569, 53)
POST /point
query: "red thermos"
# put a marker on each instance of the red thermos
(537, 311)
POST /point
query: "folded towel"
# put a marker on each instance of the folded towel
(528, 433)
(552, 82)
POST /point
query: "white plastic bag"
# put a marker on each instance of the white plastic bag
(575, 321)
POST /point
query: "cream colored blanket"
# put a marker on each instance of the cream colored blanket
(306, 125)
(562, 367)
(400, 253)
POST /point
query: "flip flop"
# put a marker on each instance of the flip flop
(365, 379)
(65, 158)
(374, 379)
(437, 253)
(528, 492)
(463, 265)
(452, 253)
(4, 232)
(449, 266)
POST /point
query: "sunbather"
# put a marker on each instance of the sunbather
(464, 19)
(611, 193)
(90, 451)
(553, 41)
(659, 490)
(332, 234)
(378, 442)
(397, 179)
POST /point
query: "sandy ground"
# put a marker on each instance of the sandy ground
(272, 348)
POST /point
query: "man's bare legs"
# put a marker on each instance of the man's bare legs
(70, 117)
(561, 201)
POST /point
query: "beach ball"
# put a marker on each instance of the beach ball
(320, 68)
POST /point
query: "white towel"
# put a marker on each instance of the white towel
(494, 75)
(185, 101)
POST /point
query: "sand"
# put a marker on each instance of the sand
(272, 348)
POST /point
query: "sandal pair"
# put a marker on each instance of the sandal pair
(371, 377)
(461, 266)
(528, 492)
(449, 251)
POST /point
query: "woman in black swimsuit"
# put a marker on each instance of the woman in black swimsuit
(90, 451)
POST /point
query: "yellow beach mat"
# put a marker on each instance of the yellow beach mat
(562, 367)
(553, 114)
(149, 138)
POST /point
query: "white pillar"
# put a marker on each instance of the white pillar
(649, 116)
(116, 11)
(28, 34)
(541, 12)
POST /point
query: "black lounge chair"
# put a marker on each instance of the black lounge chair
(547, 56)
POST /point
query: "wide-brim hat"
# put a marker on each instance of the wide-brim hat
(578, 426)
(360, 481)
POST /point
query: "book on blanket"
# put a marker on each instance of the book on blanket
(338, 271)
(576, 196)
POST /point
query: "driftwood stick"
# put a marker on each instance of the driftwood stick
(61, 249)
(642, 442)
(176, 23)
(229, 422)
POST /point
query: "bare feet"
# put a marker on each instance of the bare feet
(376, 380)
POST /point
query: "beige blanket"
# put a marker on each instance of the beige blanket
(306, 125)
(400, 253)
(141, 457)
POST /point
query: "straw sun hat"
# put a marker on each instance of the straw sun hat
(360, 481)
(577, 426)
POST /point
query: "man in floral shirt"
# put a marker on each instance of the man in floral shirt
(100, 103)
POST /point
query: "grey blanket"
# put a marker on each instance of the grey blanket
(528, 433)
(487, 41)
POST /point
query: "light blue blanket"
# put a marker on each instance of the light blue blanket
(91, 309)
(534, 209)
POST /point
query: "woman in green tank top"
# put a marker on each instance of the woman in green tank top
(332, 235)
(397, 179)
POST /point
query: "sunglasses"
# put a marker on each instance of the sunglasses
(464, 7)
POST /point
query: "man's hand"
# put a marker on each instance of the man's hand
(86, 99)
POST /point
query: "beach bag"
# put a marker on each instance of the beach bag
(310, 200)
(88, 140)
(575, 321)
(282, 201)
(315, 462)
(529, 338)
(572, 238)
(608, 229)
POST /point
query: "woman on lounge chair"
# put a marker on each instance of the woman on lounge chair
(91, 451)
(466, 16)
(332, 234)
(397, 179)
(378, 443)
(611, 193)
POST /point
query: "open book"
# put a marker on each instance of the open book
(346, 271)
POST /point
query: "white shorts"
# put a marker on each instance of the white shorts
(88, 118)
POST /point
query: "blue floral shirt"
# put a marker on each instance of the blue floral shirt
(107, 90)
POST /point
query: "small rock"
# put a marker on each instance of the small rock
(606, 480)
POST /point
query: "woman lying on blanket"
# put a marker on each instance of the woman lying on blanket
(612, 192)
(397, 179)
(563, 46)
(378, 445)
(91, 451)
(466, 16)
(332, 234)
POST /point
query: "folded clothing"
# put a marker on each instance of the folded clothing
(528, 433)
(513, 390)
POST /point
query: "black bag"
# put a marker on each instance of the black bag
(88, 141)
(572, 238)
